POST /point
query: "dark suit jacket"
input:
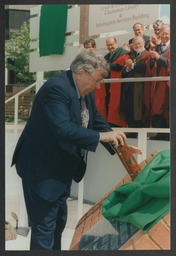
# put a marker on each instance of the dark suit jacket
(147, 41)
(162, 61)
(48, 153)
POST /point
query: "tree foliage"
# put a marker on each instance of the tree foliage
(17, 55)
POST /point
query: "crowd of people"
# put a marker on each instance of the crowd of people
(137, 104)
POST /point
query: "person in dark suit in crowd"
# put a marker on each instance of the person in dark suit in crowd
(90, 44)
(138, 29)
(160, 66)
(52, 150)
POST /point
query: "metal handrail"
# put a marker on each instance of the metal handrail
(16, 104)
(21, 92)
(136, 79)
(111, 80)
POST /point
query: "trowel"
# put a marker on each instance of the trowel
(23, 231)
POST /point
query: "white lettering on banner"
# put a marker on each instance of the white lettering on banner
(106, 18)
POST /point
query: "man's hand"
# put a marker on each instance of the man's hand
(135, 150)
(129, 64)
(113, 137)
(154, 55)
(153, 43)
(127, 47)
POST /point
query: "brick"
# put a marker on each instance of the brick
(138, 235)
(76, 247)
(87, 225)
(120, 184)
(95, 217)
(149, 159)
(101, 216)
(142, 164)
(79, 229)
(155, 153)
(160, 234)
(127, 179)
(141, 241)
(166, 219)
(75, 241)
(99, 213)
(127, 245)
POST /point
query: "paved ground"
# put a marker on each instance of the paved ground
(22, 243)
(72, 221)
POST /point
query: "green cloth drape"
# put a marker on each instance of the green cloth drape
(145, 200)
(53, 22)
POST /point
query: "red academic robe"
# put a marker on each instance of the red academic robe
(160, 92)
(100, 95)
(115, 92)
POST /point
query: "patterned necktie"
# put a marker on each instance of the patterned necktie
(163, 47)
(85, 120)
(110, 57)
(84, 113)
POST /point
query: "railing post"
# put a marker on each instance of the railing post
(142, 144)
(80, 198)
(39, 80)
(22, 210)
(16, 116)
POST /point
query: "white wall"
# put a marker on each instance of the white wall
(105, 171)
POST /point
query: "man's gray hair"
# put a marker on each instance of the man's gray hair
(88, 61)
(142, 26)
(165, 26)
(138, 38)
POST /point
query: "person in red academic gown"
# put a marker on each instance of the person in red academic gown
(160, 66)
(108, 96)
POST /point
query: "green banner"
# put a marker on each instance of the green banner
(53, 23)
(145, 200)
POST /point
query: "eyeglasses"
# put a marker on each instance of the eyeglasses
(165, 34)
(95, 81)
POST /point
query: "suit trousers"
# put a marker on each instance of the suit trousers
(46, 219)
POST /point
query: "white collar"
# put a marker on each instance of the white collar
(166, 44)
(76, 87)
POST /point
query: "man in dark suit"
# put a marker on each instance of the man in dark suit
(53, 147)
(138, 29)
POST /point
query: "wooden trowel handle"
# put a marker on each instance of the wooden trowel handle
(14, 216)
(128, 160)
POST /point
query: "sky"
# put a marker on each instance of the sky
(165, 13)
(165, 10)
